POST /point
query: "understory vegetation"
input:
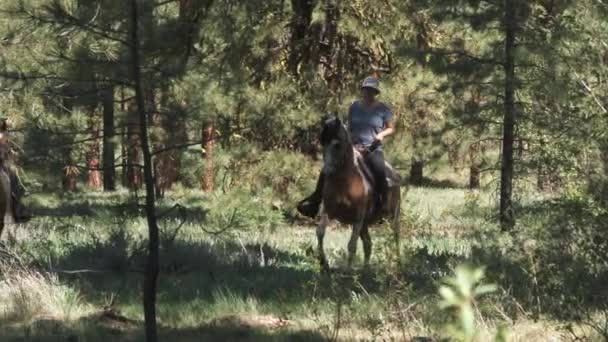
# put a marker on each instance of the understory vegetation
(249, 272)
(165, 145)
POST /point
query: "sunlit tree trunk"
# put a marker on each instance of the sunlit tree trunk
(92, 153)
(70, 176)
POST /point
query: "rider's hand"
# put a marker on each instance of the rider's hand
(375, 144)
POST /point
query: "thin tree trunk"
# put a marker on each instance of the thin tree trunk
(92, 155)
(475, 157)
(507, 217)
(152, 263)
(109, 172)
(208, 145)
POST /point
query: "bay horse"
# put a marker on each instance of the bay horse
(348, 192)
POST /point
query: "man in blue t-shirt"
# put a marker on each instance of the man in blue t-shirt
(369, 122)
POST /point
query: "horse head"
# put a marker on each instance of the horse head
(336, 142)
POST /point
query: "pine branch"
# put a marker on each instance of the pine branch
(18, 76)
(65, 20)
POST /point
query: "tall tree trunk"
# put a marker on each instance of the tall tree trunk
(124, 148)
(417, 172)
(109, 172)
(152, 262)
(474, 176)
(476, 149)
(418, 133)
(174, 132)
(92, 155)
(134, 155)
(208, 145)
(507, 217)
(300, 39)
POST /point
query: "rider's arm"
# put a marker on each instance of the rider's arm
(350, 116)
(389, 125)
(389, 130)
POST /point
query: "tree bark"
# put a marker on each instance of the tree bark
(474, 177)
(92, 154)
(109, 172)
(208, 145)
(476, 159)
(152, 262)
(134, 155)
(417, 172)
(300, 40)
(507, 217)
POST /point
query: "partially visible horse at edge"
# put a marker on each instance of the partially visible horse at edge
(348, 193)
(5, 184)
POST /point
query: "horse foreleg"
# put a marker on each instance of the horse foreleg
(320, 236)
(352, 244)
(367, 243)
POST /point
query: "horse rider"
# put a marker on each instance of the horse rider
(20, 213)
(369, 123)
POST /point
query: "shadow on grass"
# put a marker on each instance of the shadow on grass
(200, 270)
(436, 183)
(94, 328)
(121, 207)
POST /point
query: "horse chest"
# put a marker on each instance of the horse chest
(345, 199)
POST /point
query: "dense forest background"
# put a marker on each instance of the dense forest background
(501, 112)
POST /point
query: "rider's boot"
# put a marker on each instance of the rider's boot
(310, 205)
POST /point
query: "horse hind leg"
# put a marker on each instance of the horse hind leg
(320, 236)
(352, 244)
(367, 244)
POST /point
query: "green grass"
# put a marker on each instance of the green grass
(256, 281)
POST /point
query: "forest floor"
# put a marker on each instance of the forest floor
(78, 277)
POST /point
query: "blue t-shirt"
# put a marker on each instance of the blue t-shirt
(365, 123)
